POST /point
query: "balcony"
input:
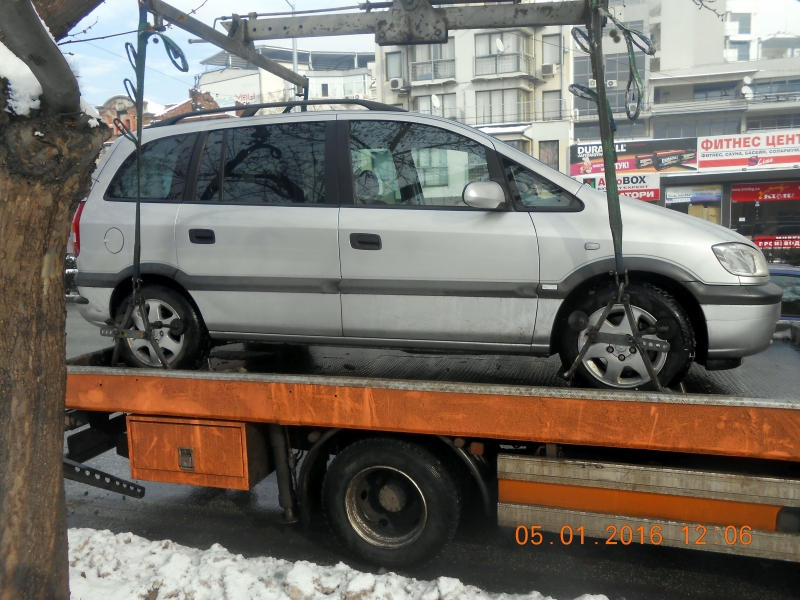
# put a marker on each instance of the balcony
(431, 70)
(519, 112)
(503, 64)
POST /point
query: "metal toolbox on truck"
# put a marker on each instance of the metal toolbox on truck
(223, 454)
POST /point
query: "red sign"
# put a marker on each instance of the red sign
(777, 241)
(765, 192)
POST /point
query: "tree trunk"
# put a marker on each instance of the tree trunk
(45, 168)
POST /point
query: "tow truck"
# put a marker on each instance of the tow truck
(394, 462)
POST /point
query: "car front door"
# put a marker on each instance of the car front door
(257, 242)
(417, 262)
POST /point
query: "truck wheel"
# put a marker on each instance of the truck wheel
(602, 368)
(390, 502)
(185, 351)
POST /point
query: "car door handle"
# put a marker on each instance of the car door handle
(365, 241)
(202, 236)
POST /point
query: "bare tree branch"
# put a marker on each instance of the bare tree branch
(62, 15)
(23, 34)
(701, 4)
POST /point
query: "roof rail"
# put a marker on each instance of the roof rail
(249, 110)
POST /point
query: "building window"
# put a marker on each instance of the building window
(434, 61)
(740, 23)
(324, 87)
(521, 145)
(702, 127)
(774, 122)
(548, 153)
(551, 106)
(502, 106)
(776, 86)
(394, 65)
(617, 69)
(551, 49)
(739, 51)
(715, 91)
(507, 52)
(427, 105)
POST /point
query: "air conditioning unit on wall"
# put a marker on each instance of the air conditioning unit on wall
(592, 83)
(549, 70)
(611, 83)
(396, 84)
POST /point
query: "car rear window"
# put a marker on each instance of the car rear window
(165, 163)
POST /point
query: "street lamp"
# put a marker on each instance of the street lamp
(294, 49)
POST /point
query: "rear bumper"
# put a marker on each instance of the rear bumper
(738, 330)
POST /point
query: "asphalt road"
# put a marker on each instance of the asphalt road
(482, 555)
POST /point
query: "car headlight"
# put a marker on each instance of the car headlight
(741, 259)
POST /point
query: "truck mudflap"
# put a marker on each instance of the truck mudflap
(596, 503)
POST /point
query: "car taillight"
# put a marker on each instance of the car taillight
(74, 242)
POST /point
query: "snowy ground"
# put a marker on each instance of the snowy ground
(105, 566)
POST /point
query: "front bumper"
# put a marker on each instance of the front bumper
(738, 330)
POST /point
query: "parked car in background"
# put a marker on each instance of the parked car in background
(788, 279)
(389, 229)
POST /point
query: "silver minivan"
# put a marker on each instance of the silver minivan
(389, 229)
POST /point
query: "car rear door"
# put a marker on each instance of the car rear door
(257, 242)
(418, 263)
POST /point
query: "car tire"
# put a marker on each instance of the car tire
(390, 502)
(186, 351)
(650, 304)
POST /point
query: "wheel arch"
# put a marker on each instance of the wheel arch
(441, 446)
(151, 274)
(664, 275)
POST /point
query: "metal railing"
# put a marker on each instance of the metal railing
(429, 70)
(498, 64)
(519, 112)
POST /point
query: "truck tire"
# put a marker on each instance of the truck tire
(185, 351)
(390, 502)
(603, 369)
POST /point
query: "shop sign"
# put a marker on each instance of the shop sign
(777, 242)
(765, 192)
(643, 187)
(693, 193)
(636, 157)
(778, 149)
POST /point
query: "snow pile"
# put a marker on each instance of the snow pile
(23, 87)
(128, 567)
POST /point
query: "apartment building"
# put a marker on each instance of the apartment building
(231, 80)
(712, 79)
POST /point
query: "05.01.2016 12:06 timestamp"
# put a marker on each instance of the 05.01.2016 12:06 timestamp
(627, 535)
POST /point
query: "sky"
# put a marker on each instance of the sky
(101, 65)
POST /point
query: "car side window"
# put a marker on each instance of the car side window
(400, 164)
(165, 163)
(533, 192)
(264, 164)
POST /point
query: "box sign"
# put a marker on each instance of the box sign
(773, 242)
(643, 187)
(765, 192)
(693, 194)
(777, 149)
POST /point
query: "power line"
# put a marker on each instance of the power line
(102, 37)
(126, 60)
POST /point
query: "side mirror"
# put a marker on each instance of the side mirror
(487, 195)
